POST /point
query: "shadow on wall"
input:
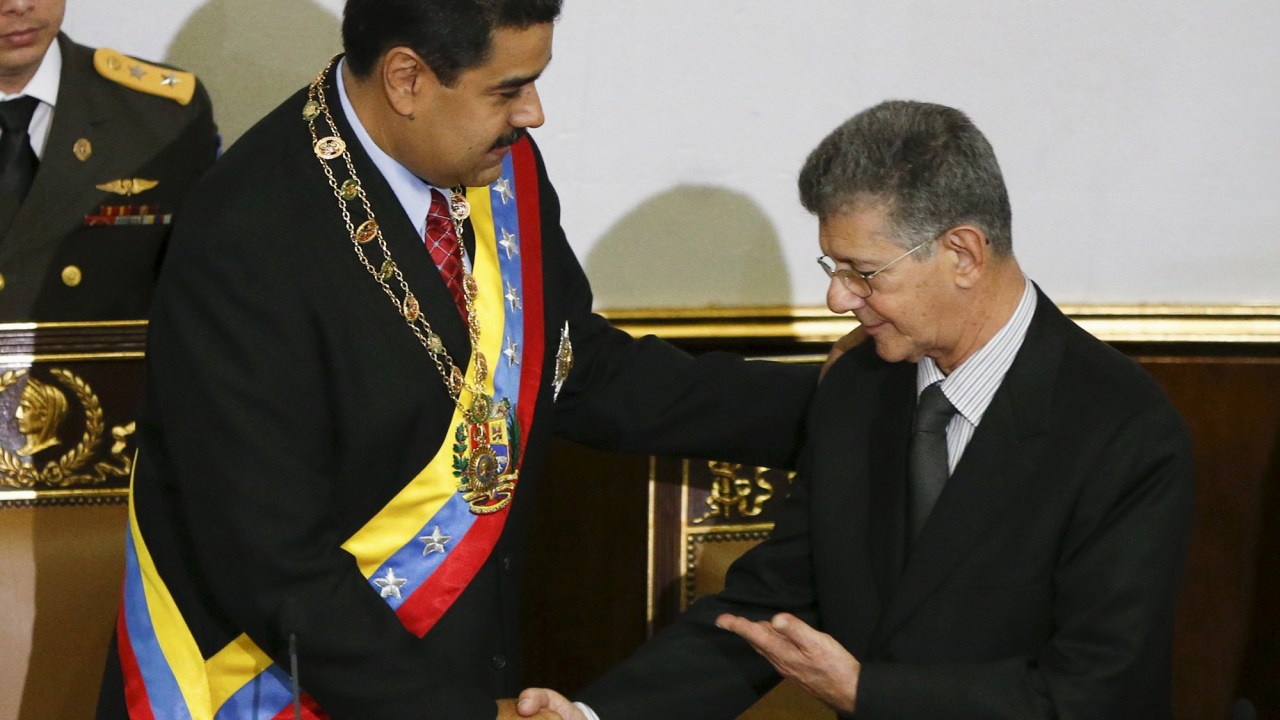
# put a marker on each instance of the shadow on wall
(251, 55)
(691, 246)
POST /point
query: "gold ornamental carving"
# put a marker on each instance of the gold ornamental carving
(735, 496)
(40, 414)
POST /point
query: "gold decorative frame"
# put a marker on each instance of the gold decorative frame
(97, 367)
(1112, 323)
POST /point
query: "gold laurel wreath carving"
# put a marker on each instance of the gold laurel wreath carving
(63, 472)
(60, 472)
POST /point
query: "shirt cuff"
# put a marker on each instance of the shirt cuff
(591, 714)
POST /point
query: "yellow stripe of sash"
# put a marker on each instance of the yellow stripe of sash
(176, 642)
(422, 498)
(232, 667)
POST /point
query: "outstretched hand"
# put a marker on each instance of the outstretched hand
(812, 658)
(537, 700)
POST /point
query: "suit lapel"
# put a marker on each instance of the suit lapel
(1000, 457)
(888, 478)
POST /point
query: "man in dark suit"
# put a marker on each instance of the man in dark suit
(368, 327)
(97, 150)
(993, 506)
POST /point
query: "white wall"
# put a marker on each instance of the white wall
(1140, 139)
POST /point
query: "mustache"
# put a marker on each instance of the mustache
(509, 139)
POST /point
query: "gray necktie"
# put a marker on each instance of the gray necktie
(927, 468)
(17, 160)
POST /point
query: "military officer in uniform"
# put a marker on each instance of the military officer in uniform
(97, 150)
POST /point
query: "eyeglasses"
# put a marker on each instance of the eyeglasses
(859, 283)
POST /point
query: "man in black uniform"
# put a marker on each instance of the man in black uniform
(97, 150)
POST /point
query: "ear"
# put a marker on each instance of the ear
(971, 251)
(407, 80)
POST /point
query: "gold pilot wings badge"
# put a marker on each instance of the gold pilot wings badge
(128, 186)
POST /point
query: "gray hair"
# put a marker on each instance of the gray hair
(927, 166)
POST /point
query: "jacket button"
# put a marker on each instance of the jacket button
(499, 661)
(71, 276)
(1, 281)
(506, 562)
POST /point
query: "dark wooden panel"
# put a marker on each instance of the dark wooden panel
(1232, 407)
(585, 595)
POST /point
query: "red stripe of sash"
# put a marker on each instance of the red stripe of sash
(529, 204)
(135, 689)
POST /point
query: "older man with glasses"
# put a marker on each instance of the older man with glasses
(993, 507)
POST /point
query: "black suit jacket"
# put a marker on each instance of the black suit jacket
(287, 403)
(1043, 585)
(133, 135)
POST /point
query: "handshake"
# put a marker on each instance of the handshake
(540, 704)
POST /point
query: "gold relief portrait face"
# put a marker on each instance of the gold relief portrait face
(41, 409)
(28, 416)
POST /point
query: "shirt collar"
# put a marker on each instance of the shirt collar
(972, 385)
(412, 191)
(43, 86)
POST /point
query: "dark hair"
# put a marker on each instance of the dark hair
(926, 165)
(450, 35)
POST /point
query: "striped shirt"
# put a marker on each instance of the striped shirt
(972, 385)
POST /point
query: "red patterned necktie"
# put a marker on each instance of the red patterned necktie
(442, 242)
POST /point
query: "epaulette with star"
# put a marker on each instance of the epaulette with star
(135, 74)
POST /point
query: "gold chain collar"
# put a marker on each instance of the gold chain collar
(331, 147)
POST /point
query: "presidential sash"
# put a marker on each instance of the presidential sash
(426, 545)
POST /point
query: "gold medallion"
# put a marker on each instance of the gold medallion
(411, 309)
(311, 110)
(459, 207)
(481, 408)
(434, 343)
(482, 469)
(83, 149)
(455, 381)
(387, 270)
(350, 190)
(469, 286)
(483, 487)
(330, 148)
(366, 232)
